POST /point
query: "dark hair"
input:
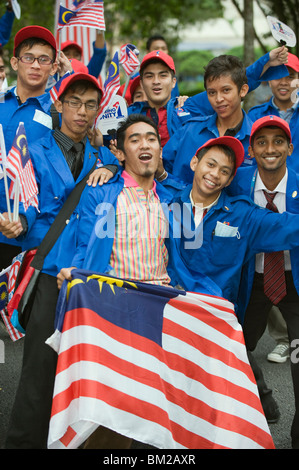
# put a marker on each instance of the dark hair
(81, 86)
(228, 151)
(32, 42)
(271, 127)
(226, 65)
(128, 122)
(154, 37)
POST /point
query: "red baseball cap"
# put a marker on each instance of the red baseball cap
(78, 66)
(160, 55)
(270, 120)
(231, 142)
(34, 32)
(293, 62)
(66, 44)
(66, 82)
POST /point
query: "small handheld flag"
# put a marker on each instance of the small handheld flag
(20, 168)
(112, 83)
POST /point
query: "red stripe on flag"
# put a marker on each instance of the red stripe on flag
(80, 317)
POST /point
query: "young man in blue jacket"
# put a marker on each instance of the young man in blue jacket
(284, 103)
(226, 85)
(59, 166)
(34, 59)
(271, 145)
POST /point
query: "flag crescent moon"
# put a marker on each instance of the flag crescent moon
(115, 69)
(22, 136)
(64, 15)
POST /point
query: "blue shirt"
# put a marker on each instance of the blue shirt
(221, 258)
(182, 146)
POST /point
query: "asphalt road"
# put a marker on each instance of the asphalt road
(278, 377)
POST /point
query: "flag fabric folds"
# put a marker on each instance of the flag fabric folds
(129, 58)
(112, 83)
(11, 274)
(165, 367)
(91, 14)
(84, 36)
(20, 169)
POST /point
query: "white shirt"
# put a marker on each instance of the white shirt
(199, 209)
(280, 202)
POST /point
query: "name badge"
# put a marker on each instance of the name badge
(42, 118)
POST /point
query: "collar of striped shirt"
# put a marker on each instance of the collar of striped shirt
(131, 183)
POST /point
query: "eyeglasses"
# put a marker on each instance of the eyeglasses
(90, 106)
(30, 59)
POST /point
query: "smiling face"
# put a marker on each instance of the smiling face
(270, 147)
(157, 81)
(224, 96)
(212, 173)
(141, 153)
(283, 90)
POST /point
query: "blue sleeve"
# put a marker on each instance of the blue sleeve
(254, 72)
(97, 60)
(198, 105)
(106, 157)
(88, 215)
(6, 22)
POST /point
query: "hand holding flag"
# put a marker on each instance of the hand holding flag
(91, 14)
(129, 58)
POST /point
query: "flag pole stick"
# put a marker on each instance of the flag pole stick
(3, 151)
(59, 50)
(2, 216)
(126, 84)
(16, 200)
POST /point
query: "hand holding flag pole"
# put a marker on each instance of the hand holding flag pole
(3, 159)
(129, 61)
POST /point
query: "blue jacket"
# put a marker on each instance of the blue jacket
(35, 113)
(180, 149)
(176, 117)
(244, 183)
(266, 109)
(55, 182)
(199, 105)
(222, 258)
(97, 210)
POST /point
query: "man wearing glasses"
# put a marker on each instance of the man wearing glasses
(59, 164)
(34, 60)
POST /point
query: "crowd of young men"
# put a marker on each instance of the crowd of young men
(206, 154)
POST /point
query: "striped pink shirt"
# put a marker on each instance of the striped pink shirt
(139, 251)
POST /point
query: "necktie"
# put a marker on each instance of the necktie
(274, 271)
(77, 164)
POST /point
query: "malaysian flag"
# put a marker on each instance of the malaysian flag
(112, 83)
(165, 367)
(19, 167)
(82, 35)
(129, 58)
(91, 14)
